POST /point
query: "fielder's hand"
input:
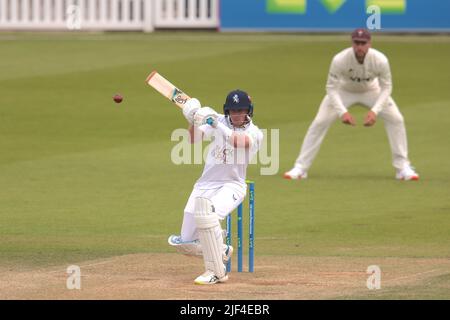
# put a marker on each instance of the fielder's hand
(370, 119)
(347, 118)
(205, 115)
(190, 109)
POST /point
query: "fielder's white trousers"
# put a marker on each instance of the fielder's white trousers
(327, 115)
(225, 199)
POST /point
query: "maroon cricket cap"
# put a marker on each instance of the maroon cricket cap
(361, 35)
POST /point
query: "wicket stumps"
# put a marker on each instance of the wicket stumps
(251, 229)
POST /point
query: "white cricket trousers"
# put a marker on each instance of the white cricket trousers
(327, 115)
(225, 199)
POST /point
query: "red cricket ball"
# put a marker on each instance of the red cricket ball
(118, 98)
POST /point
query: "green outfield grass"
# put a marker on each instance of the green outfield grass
(82, 177)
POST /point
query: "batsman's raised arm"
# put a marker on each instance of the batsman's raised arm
(190, 109)
(198, 116)
(236, 139)
(206, 122)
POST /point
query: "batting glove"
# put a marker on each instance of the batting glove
(190, 109)
(205, 115)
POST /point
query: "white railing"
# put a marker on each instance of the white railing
(145, 15)
(182, 13)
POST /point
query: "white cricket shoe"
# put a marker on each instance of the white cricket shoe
(177, 242)
(407, 173)
(296, 173)
(174, 240)
(188, 248)
(210, 278)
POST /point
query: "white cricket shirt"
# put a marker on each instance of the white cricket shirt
(347, 74)
(225, 163)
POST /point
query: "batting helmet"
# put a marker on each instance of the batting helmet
(236, 100)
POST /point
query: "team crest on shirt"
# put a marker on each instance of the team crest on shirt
(222, 154)
(356, 77)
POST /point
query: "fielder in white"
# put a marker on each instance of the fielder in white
(222, 186)
(357, 75)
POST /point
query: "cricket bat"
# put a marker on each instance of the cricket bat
(167, 89)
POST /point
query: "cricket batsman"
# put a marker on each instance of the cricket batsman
(222, 186)
(361, 75)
